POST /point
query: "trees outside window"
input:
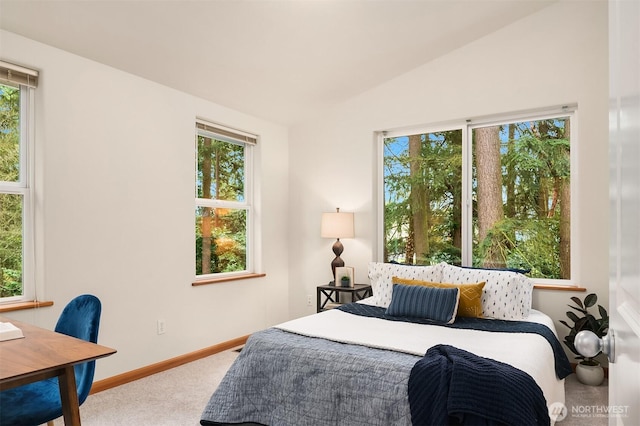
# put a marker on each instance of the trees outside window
(16, 227)
(11, 200)
(423, 192)
(512, 178)
(223, 202)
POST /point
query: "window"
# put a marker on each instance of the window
(224, 202)
(489, 194)
(16, 215)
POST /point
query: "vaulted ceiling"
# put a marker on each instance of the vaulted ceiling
(282, 60)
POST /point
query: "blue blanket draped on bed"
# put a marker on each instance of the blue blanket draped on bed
(562, 365)
(450, 386)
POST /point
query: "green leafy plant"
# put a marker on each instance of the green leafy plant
(585, 321)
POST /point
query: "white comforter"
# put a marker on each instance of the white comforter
(528, 352)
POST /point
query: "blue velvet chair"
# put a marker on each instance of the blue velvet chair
(39, 402)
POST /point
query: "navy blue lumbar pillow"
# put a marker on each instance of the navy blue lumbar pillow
(436, 304)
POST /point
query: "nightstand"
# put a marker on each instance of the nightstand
(328, 296)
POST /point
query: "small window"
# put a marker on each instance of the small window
(16, 216)
(224, 203)
(493, 194)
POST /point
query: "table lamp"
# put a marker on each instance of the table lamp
(337, 225)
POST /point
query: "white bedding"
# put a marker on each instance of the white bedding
(528, 352)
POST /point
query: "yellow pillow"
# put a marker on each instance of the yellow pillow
(470, 295)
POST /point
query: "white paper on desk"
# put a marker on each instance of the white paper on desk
(9, 331)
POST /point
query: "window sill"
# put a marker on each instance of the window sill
(225, 279)
(558, 287)
(18, 306)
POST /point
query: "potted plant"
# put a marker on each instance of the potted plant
(345, 281)
(588, 370)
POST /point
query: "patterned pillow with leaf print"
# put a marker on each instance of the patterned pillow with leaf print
(506, 295)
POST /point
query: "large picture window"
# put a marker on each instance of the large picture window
(488, 194)
(224, 205)
(16, 214)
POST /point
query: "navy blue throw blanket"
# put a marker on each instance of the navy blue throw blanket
(450, 386)
(562, 365)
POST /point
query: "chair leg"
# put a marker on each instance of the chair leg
(50, 423)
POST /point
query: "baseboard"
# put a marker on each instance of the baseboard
(130, 376)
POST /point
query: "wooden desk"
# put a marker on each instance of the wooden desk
(43, 354)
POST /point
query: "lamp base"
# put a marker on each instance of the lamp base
(337, 248)
(337, 262)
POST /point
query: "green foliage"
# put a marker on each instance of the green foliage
(585, 321)
(10, 283)
(227, 243)
(440, 171)
(534, 157)
(222, 165)
(10, 204)
(525, 244)
(9, 134)
(199, 249)
(220, 176)
(231, 241)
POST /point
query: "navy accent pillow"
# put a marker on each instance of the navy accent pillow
(437, 304)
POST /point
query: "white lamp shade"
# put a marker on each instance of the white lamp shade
(337, 225)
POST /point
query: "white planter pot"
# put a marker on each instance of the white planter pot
(592, 375)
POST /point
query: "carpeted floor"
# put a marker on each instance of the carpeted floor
(178, 396)
(583, 402)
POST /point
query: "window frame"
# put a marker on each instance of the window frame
(24, 188)
(467, 126)
(248, 141)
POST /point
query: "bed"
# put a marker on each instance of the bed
(359, 365)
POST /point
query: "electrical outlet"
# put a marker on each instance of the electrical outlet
(161, 326)
(308, 300)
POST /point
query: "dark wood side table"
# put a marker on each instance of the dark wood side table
(331, 294)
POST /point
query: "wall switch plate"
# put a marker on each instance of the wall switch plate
(161, 327)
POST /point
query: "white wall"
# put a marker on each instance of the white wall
(115, 169)
(556, 56)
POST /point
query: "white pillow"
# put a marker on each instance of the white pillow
(506, 294)
(380, 275)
